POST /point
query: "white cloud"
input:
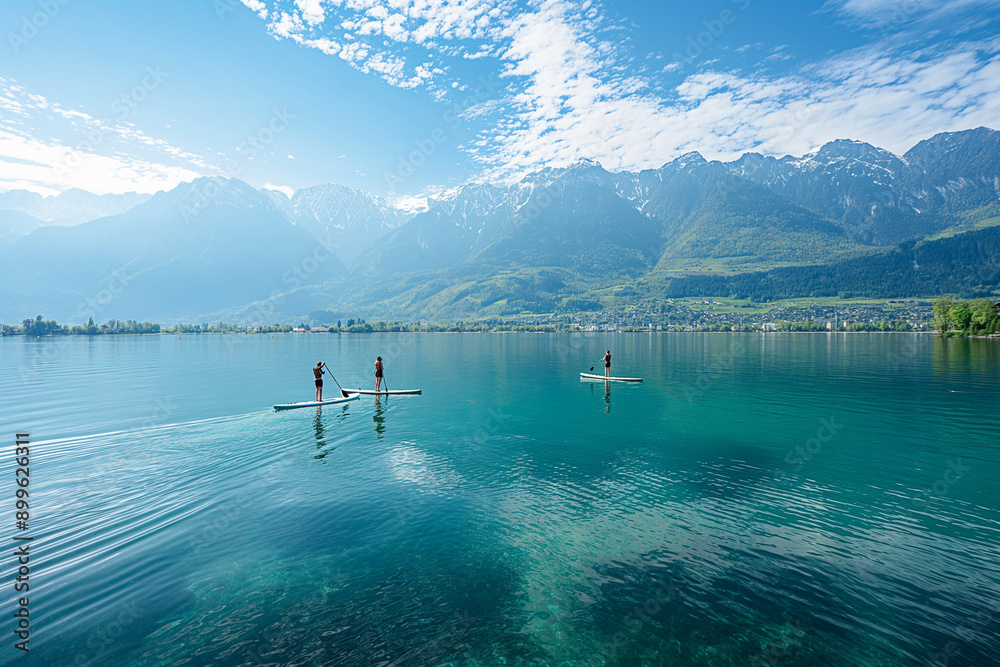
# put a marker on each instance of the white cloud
(287, 25)
(312, 11)
(327, 46)
(378, 36)
(82, 151)
(283, 189)
(57, 167)
(572, 92)
(409, 203)
(257, 7)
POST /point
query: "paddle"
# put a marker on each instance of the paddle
(342, 391)
(592, 367)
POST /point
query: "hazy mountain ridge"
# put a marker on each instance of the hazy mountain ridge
(16, 224)
(348, 219)
(70, 207)
(554, 240)
(165, 259)
(450, 232)
(883, 198)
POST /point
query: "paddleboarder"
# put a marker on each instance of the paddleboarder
(318, 373)
(607, 364)
(378, 373)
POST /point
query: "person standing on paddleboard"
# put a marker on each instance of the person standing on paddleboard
(318, 373)
(378, 373)
(607, 364)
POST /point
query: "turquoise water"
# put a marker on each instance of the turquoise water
(803, 499)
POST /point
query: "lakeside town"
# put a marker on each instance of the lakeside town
(944, 315)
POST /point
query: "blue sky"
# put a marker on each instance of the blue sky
(405, 97)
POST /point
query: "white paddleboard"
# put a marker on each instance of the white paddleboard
(394, 392)
(312, 404)
(590, 377)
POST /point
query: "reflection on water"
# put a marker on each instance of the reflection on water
(958, 358)
(607, 397)
(607, 393)
(320, 432)
(378, 417)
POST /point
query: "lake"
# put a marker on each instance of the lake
(796, 499)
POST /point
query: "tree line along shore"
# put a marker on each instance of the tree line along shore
(980, 317)
(952, 317)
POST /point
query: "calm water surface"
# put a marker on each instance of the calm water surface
(789, 499)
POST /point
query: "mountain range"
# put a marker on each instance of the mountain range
(847, 219)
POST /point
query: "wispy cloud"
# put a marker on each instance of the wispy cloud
(574, 94)
(82, 151)
(880, 96)
(898, 13)
(283, 189)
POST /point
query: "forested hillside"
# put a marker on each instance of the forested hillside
(967, 264)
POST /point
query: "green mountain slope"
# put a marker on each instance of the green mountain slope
(967, 265)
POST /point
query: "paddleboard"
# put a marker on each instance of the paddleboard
(394, 392)
(600, 378)
(313, 404)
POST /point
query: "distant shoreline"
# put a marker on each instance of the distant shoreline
(369, 333)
